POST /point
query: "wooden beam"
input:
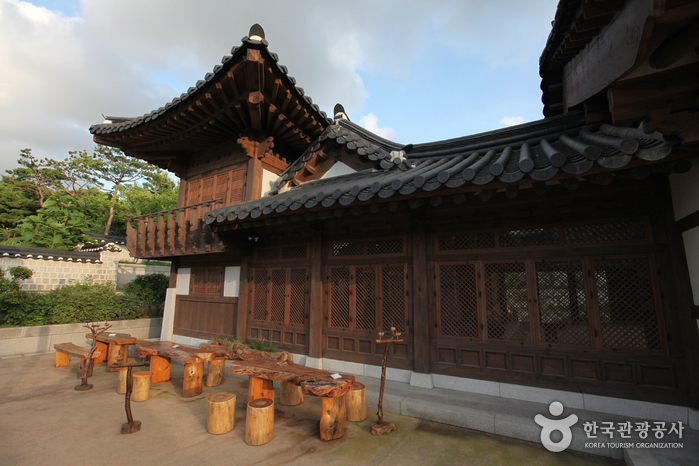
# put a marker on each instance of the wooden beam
(420, 304)
(676, 47)
(315, 317)
(688, 222)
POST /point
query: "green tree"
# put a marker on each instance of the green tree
(18, 199)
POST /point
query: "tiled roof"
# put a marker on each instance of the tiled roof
(21, 252)
(560, 146)
(104, 242)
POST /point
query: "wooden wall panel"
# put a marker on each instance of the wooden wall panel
(205, 317)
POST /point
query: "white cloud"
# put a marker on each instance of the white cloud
(371, 122)
(511, 121)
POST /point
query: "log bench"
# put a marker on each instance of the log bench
(114, 348)
(161, 354)
(65, 350)
(313, 382)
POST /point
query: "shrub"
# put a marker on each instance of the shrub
(149, 292)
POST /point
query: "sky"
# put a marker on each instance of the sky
(410, 71)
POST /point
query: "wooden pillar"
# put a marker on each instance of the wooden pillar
(260, 388)
(315, 320)
(160, 367)
(62, 359)
(290, 394)
(253, 179)
(420, 321)
(193, 376)
(332, 418)
(214, 373)
(117, 355)
(103, 349)
(259, 421)
(241, 326)
(141, 385)
(220, 413)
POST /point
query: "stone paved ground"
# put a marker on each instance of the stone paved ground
(43, 421)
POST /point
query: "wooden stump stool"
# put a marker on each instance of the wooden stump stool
(290, 394)
(121, 387)
(221, 413)
(355, 400)
(215, 372)
(259, 421)
(141, 385)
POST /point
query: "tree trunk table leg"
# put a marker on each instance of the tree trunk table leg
(355, 399)
(260, 388)
(290, 394)
(332, 418)
(160, 367)
(193, 375)
(215, 372)
(259, 421)
(221, 413)
(102, 348)
(62, 359)
(117, 355)
(84, 361)
(141, 385)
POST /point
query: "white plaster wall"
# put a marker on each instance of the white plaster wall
(231, 283)
(127, 272)
(338, 169)
(268, 179)
(685, 200)
(183, 276)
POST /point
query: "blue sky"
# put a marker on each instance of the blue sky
(410, 71)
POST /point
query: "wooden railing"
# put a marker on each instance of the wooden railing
(173, 232)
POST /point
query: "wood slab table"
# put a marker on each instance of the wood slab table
(114, 348)
(162, 352)
(314, 382)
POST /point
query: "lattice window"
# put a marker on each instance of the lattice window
(385, 246)
(627, 307)
(457, 300)
(605, 232)
(529, 237)
(259, 309)
(207, 281)
(297, 296)
(365, 291)
(267, 254)
(507, 311)
(222, 187)
(466, 241)
(207, 189)
(339, 297)
(562, 304)
(393, 299)
(294, 252)
(193, 188)
(348, 249)
(278, 289)
(237, 185)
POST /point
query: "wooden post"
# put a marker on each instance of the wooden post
(315, 318)
(290, 394)
(193, 376)
(221, 413)
(103, 349)
(242, 307)
(62, 359)
(121, 386)
(355, 399)
(117, 355)
(214, 373)
(420, 327)
(141, 385)
(259, 421)
(332, 418)
(260, 388)
(160, 367)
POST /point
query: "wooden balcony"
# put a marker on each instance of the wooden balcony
(176, 232)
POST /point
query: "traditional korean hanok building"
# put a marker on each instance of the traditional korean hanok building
(545, 255)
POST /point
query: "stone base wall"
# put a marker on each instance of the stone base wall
(21, 341)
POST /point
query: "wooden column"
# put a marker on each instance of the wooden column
(103, 349)
(420, 321)
(315, 320)
(241, 326)
(160, 367)
(193, 376)
(259, 421)
(260, 388)
(253, 179)
(332, 418)
(220, 413)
